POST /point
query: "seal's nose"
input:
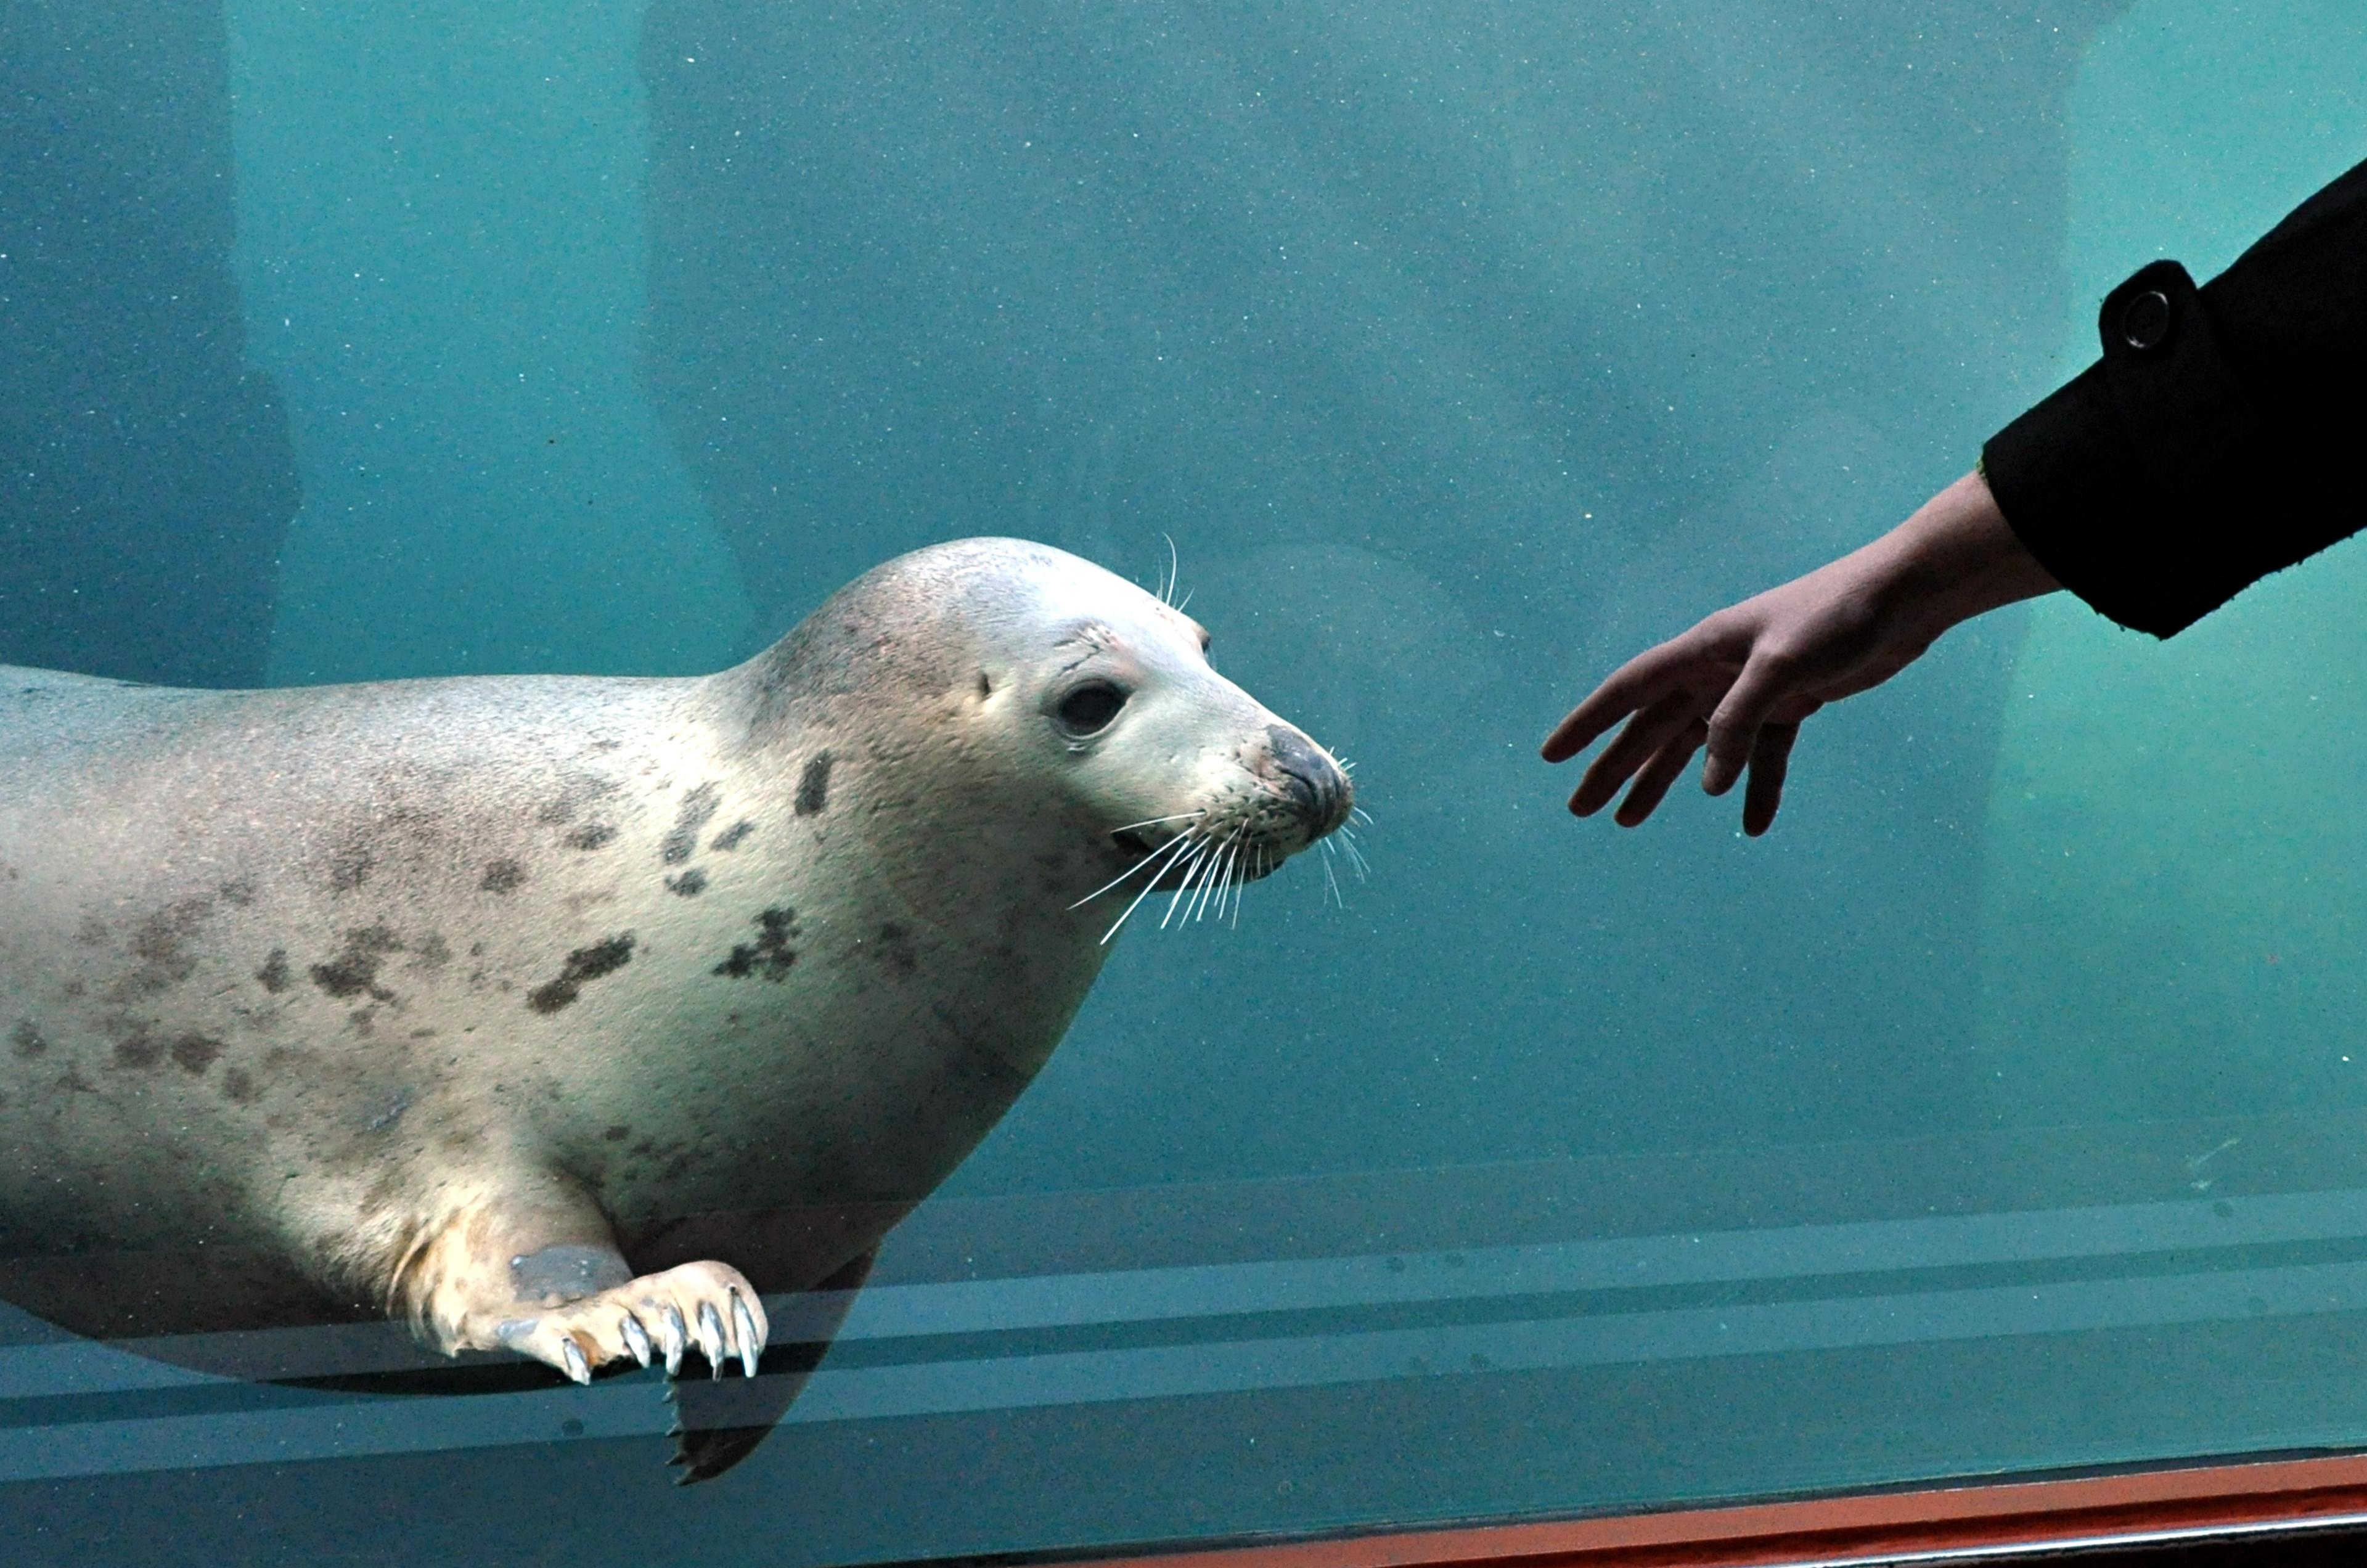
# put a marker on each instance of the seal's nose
(1318, 787)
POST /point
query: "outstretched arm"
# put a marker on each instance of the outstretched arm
(2209, 446)
(1740, 682)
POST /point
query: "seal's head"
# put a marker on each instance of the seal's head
(1016, 666)
(1187, 767)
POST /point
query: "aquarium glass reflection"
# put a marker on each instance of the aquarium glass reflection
(2004, 1111)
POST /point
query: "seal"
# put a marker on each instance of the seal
(572, 1017)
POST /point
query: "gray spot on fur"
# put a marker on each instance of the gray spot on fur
(896, 947)
(565, 1272)
(350, 868)
(353, 971)
(193, 1054)
(681, 839)
(26, 1040)
(583, 964)
(591, 836)
(814, 786)
(769, 956)
(503, 876)
(731, 838)
(689, 884)
(139, 1049)
(273, 973)
(162, 944)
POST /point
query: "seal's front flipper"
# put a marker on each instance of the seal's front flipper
(717, 1425)
(544, 1278)
(709, 1308)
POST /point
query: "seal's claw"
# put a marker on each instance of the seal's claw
(676, 1339)
(710, 1339)
(704, 1305)
(752, 1343)
(576, 1366)
(548, 1338)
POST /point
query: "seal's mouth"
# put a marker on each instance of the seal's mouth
(1169, 877)
(1222, 846)
(1242, 855)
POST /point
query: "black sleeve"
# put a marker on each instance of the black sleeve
(2212, 444)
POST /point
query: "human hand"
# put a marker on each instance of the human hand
(1741, 681)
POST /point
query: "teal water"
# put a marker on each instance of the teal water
(1461, 350)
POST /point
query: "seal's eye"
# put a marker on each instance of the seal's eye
(1088, 709)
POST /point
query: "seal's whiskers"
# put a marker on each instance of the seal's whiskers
(1355, 852)
(1200, 900)
(1217, 877)
(1207, 874)
(1113, 881)
(1199, 861)
(1168, 852)
(1155, 821)
(1228, 861)
(1136, 866)
(1174, 573)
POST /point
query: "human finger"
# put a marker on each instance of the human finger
(1645, 736)
(1734, 727)
(1632, 687)
(1769, 759)
(1652, 785)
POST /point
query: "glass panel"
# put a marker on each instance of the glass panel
(2000, 1113)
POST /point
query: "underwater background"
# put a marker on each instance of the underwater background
(1461, 350)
